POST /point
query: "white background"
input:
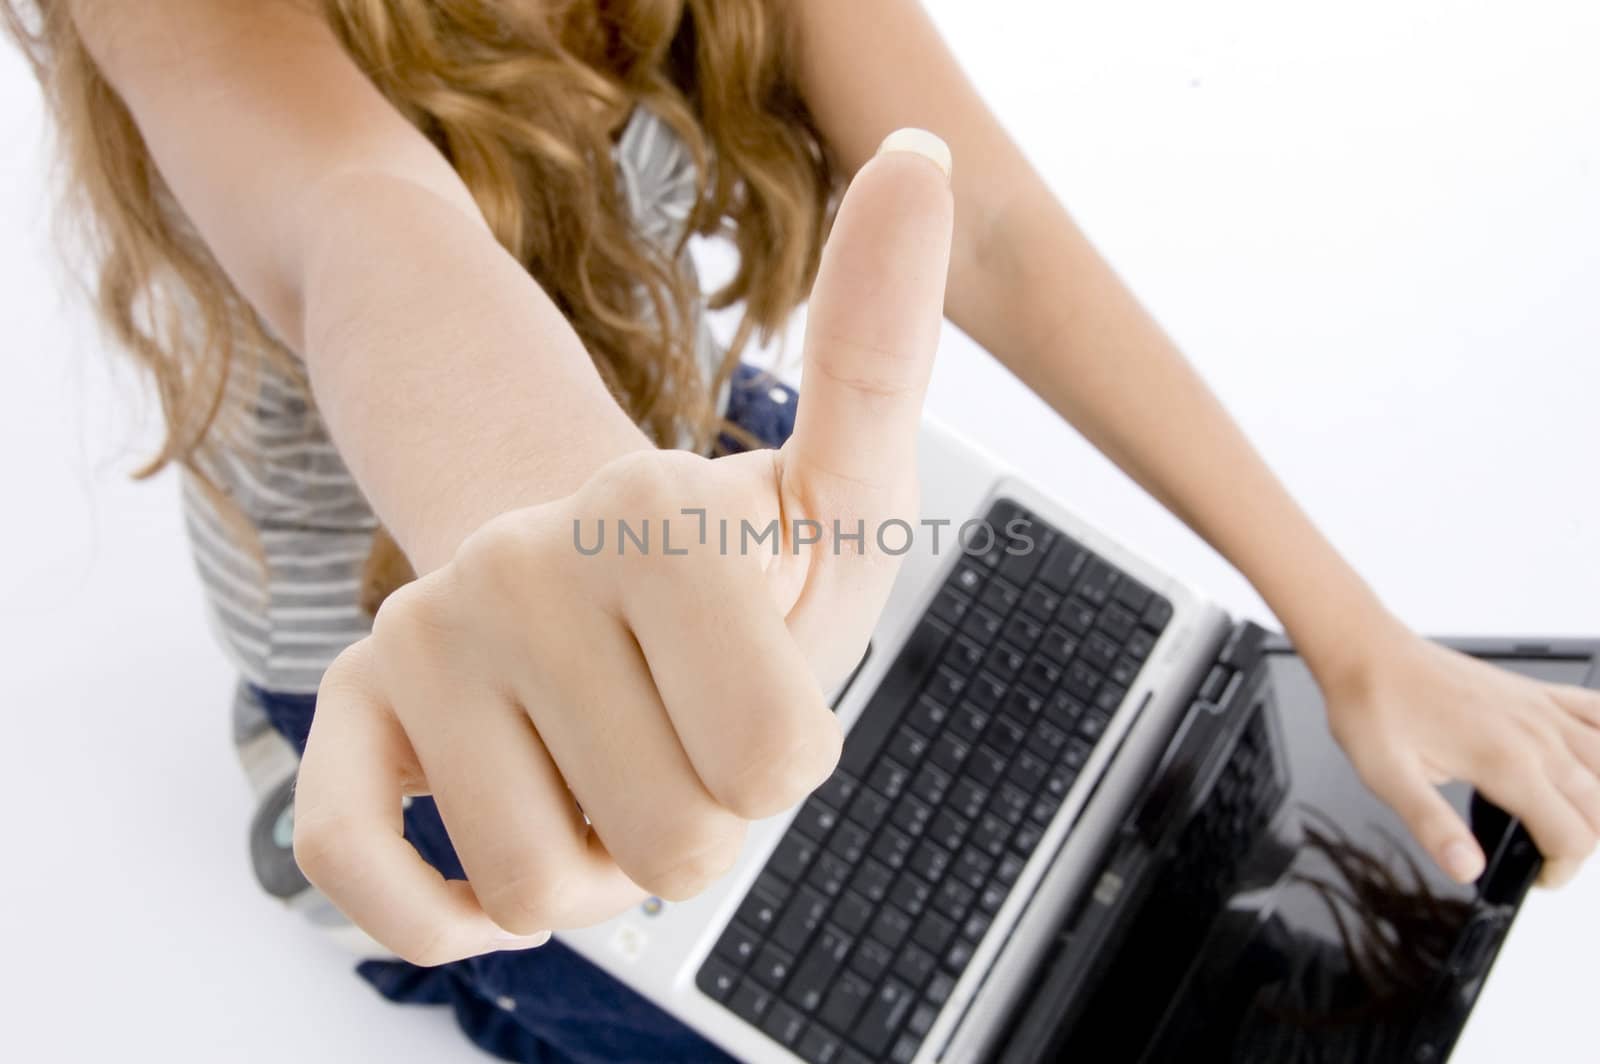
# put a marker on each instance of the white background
(1373, 225)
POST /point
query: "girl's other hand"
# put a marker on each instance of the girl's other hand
(596, 727)
(1415, 714)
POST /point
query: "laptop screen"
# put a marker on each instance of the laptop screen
(1297, 920)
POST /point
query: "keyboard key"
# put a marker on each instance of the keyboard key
(990, 834)
(948, 829)
(938, 989)
(869, 808)
(1117, 622)
(914, 965)
(981, 625)
(929, 861)
(1023, 705)
(1062, 564)
(838, 791)
(1132, 594)
(911, 815)
(1010, 804)
(888, 778)
(793, 856)
(844, 1001)
(891, 926)
(1095, 582)
(973, 928)
(968, 722)
(872, 881)
(784, 1024)
(750, 1002)
(892, 847)
(1059, 645)
(1005, 735)
(1139, 645)
(950, 607)
(818, 1046)
(991, 897)
(815, 819)
(1045, 740)
(1027, 838)
(1124, 672)
(910, 894)
(927, 717)
(1000, 596)
(829, 874)
(949, 754)
(933, 932)
(852, 913)
(963, 655)
(986, 691)
(1063, 711)
(921, 1021)
(905, 1049)
(1099, 651)
(1076, 616)
(738, 944)
(1022, 631)
(899, 685)
(803, 916)
(717, 978)
(968, 579)
(931, 784)
(946, 686)
(818, 969)
(1027, 772)
(1080, 680)
(871, 959)
(1040, 603)
(907, 747)
(1092, 725)
(952, 898)
(972, 867)
(1109, 697)
(759, 909)
(1009, 868)
(967, 797)
(881, 1021)
(986, 765)
(1005, 661)
(959, 955)
(1029, 548)
(1041, 673)
(1156, 614)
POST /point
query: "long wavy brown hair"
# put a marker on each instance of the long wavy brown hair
(525, 99)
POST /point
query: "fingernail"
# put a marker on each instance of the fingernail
(919, 142)
(510, 941)
(1463, 861)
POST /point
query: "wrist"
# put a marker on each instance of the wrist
(1348, 641)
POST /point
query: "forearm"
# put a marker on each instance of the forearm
(452, 385)
(1046, 303)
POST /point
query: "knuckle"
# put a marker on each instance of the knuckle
(525, 901)
(687, 861)
(790, 766)
(318, 843)
(429, 949)
(493, 558)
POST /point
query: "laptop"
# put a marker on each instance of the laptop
(1057, 759)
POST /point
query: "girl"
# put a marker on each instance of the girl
(410, 278)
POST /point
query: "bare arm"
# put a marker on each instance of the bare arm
(452, 385)
(1027, 285)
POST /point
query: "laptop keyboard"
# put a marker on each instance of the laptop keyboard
(869, 909)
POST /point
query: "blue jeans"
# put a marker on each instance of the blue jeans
(546, 1005)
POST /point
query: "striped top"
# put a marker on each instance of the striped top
(285, 614)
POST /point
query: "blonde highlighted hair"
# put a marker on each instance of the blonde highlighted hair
(524, 99)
